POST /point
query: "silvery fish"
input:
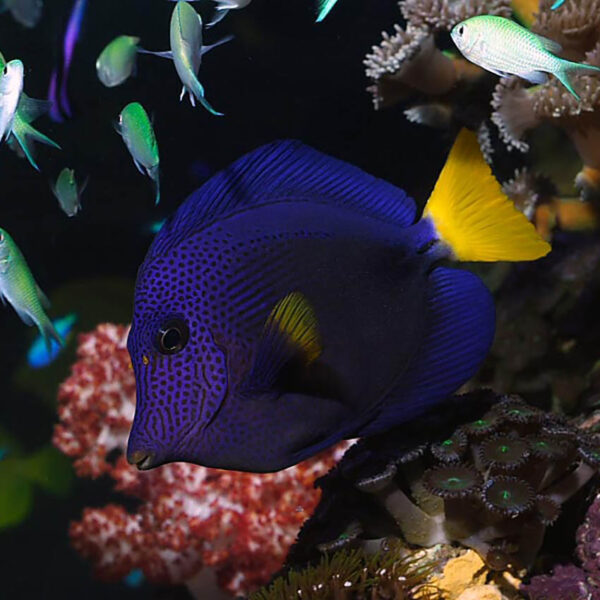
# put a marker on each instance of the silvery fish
(67, 192)
(20, 132)
(11, 86)
(26, 12)
(222, 7)
(116, 62)
(186, 52)
(18, 287)
(324, 8)
(137, 132)
(506, 48)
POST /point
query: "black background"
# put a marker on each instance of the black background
(283, 76)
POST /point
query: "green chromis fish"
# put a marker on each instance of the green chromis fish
(222, 7)
(506, 48)
(116, 62)
(25, 12)
(18, 287)
(11, 86)
(186, 52)
(67, 192)
(137, 132)
(17, 111)
(557, 4)
(324, 7)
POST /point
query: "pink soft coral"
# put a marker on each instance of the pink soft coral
(240, 524)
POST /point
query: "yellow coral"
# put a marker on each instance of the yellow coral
(461, 573)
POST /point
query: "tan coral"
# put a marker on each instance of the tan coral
(482, 592)
(518, 110)
(576, 26)
(514, 113)
(439, 15)
(408, 59)
(521, 189)
(405, 61)
(467, 577)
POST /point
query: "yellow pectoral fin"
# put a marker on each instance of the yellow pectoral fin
(472, 214)
(294, 320)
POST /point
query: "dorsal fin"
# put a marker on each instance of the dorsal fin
(291, 330)
(285, 171)
(548, 44)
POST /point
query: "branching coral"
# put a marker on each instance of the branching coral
(409, 61)
(408, 65)
(239, 524)
(494, 484)
(518, 110)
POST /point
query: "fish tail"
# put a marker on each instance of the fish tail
(472, 215)
(155, 176)
(21, 137)
(568, 68)
(195, 88)
(25, 134)
(49, 333)
(324, 8)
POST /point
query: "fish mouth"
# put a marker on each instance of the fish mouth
(142, 460)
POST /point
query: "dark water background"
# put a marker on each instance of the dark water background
(283, 76)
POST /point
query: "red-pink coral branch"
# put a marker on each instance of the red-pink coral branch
(240, 524)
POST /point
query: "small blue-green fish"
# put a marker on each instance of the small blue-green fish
(294, 301)
(19, 132)
(116, 62)
(557, 4)
(19, 289)
(11, 86)
(26, 12)
(222, 7)
(67, 192)
(324, 7)
(137, 132)
(135, 578)
(154, 227)
(187, 50)
(506, 48)
(39, 355)
(57, 92)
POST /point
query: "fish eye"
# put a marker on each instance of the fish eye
(5, 70)
(172, 336)
(461, 30)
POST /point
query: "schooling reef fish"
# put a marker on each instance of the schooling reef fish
(26, 12)
(187, 50)
(17, 111)
(506, 48)
(57, 93)
(19, 288)
(222, 7)
(137, 132)
(39, 354)
(117, 61)
(67, 192)
(324, 8)
(292, 301)
(11, 86)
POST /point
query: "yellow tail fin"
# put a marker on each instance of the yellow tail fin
(473, 216)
